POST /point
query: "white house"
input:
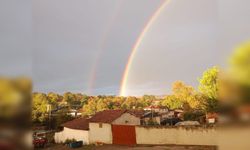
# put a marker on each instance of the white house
(100, 125)
(77, 129)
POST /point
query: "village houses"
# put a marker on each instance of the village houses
(97, 129)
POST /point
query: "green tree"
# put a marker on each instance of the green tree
(209, 84)
(209, 89)
(71, 99)
(172, 102)
(240, 70)
(186, 94)
(61, 117)
(53, 99)
(91, 107)
(39, 107)
(240, 63)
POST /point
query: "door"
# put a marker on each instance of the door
(124, 135)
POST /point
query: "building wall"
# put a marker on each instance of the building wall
(100, 133)
(67, 133)
(153, 135)
(225, 139)
(127, 119)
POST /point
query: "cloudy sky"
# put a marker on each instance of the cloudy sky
(84, 45)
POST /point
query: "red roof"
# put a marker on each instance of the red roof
(137, 113)
(212, 115)
(79, 124)
(244, 109)
(156, 107)
(107, 116)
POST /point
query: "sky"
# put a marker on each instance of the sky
(84, 45)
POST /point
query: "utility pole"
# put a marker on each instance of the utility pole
(49, 114)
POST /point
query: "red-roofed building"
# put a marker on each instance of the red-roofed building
(77, 129)
(100, 125)
(98, 129)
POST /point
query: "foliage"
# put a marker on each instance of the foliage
(240, 63)
(15, 100)
(172, 102)
(209, 89)
(240, 70)
(61, 117)
(39, 107)
(100, 103)
(209, 83)
(183, 96)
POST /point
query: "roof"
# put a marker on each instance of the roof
(211, 115)
(156, 107)
(79, 124)
(137, 113)
(150, 114)
(107, 116)
(244, 109)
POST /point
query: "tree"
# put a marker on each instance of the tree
(240, 70)
(209, 89)
(39, 107)
(91, 107)
(61, 117)
(183, 96)
(240, 63)
(172, 102)
(186, 94)
(209, 83)
(70, 98)
(53, 99)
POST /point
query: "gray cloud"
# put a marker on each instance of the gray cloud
(59, 43)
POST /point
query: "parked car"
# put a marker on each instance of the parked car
(42, 138)
(39, 142)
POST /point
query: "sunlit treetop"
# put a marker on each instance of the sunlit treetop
(240, 64)
(209, 83)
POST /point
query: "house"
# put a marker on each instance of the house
(150, 118)
(243, 113)
(77, 129)
(157, 108)
(100, 125)
(139, 114)
(74, 113)
(175, 113)
(211, 118)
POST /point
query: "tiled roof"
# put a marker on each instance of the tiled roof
(107, 116)
(156, 107)
(150, 114)
(137, 113)
(79, 124)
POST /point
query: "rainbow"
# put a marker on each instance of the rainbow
(101, 46)
(137, 44)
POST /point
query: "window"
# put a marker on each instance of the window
(126, 121)
(100, 125)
